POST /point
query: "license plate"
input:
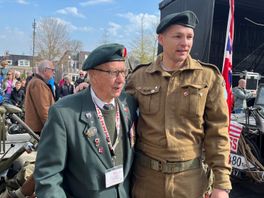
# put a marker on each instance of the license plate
(239, 162)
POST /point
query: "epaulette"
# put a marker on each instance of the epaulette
(141, 65)
(209, 65)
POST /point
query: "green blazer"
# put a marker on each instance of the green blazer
(68, 162)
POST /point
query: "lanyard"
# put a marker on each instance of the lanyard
(117, 122)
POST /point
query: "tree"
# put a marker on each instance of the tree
(52, 39)
(144, 47)
(74, 45)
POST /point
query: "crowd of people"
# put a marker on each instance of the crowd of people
(157, 132)
(13, 86)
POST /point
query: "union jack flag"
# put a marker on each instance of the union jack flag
(227, 63)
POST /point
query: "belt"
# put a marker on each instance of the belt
(167, 167)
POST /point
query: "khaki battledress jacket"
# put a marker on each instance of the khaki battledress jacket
(182, 114)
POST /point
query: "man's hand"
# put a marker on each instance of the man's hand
(219, 193)
(28, 187)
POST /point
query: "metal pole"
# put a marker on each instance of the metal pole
(33, 47)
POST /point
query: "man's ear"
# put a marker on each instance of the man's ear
(160, 39)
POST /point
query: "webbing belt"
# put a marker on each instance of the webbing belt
(167, 167)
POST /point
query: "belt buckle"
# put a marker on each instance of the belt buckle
(156, 165)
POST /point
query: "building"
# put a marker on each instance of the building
(21, 63)
(71, 63)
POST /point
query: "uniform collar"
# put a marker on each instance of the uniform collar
(98, 101)
(190, 64)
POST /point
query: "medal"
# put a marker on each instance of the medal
(100, 149)
(88, 115)
(97, 142)
(91, 132)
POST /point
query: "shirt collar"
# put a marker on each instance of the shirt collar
(98, 101)
(190, 64)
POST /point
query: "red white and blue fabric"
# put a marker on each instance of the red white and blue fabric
(235, 130)
(227, 63)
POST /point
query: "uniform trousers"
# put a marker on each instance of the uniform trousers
(148, 183)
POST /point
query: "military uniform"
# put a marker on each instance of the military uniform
(182, 113)
(75, 155)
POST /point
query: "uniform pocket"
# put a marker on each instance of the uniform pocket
(149, 99)
(193, 99)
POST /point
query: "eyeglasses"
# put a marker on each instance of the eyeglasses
(52, 69)
(81, 74)
(113, 73)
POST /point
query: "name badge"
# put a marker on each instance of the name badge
(114, 176)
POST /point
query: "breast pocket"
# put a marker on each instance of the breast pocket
(149, 99)
(193, 99)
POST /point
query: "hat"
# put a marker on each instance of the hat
(103, 54)
(4, 62)
(186, 18)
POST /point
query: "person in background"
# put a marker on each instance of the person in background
(183, 116)
(81, 78)
(241, 95)
(3, 69)
(39, 96)
(8, 85)
(18, 75)
(54, 87)
(67, 88)
(17, 95)
(30, 75)
(81, 87)
(86, 146)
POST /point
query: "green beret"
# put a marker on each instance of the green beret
(103, 54)
(186, 18)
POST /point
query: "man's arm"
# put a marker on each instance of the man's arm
(51, 157)
(216, 141)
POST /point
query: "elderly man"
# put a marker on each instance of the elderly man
(183, 114)
(39, 96)
(86, 147)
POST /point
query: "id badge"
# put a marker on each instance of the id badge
(114, 176)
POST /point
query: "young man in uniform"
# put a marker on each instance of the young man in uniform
(86, 146)
(182, 115)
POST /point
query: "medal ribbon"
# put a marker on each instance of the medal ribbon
(117, 122)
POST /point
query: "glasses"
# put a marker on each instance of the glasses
(52, 69)
(113, 73)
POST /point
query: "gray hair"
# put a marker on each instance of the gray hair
(43, 65)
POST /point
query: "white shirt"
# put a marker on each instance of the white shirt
(98, 101)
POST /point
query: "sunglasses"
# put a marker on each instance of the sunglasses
(52, 69)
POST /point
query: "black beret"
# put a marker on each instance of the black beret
(103, 54)
(186, 18)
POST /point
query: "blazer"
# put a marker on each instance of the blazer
(68, 162)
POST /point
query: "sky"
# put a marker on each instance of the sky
(88, 21)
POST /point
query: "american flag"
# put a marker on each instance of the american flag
(235, 130)
(227, 64)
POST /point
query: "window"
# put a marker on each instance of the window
(24, 63)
